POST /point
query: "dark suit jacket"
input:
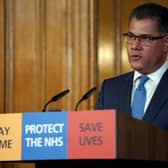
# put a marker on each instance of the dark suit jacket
(115, 93)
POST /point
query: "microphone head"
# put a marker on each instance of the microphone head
(89, 93)
(61, 94)
(55, 98)
(85, 96)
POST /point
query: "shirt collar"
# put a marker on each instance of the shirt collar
(155, 76)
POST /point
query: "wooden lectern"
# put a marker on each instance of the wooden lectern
(137, 144)
(47, 139)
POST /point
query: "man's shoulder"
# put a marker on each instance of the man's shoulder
(124, 76)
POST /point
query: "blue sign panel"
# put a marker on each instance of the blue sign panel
(44, 136)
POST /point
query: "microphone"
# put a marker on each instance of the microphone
(85, 96)
(55, 98)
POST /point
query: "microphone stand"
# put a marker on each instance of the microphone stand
(45, 106)
(76, 107)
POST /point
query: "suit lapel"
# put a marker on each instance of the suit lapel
(127, 90)
(159, 98)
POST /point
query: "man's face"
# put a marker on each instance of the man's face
(146, 58)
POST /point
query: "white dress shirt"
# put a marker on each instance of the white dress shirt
(151, 84)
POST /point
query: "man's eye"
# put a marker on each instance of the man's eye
(131, 36)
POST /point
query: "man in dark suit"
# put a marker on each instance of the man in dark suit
(147, 46)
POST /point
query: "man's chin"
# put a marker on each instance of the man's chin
(137, 67)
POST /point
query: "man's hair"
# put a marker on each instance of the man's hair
(152, 11)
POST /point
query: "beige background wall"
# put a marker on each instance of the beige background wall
(47, 46)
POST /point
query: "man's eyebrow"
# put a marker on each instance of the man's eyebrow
(144, 34)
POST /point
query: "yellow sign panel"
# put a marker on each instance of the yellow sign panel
(10, 136)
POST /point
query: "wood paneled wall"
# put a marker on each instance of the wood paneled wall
(47, 46)
(2, 57)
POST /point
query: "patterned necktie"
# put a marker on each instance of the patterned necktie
(139, 99)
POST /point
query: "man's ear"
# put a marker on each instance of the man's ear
(166, 44)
